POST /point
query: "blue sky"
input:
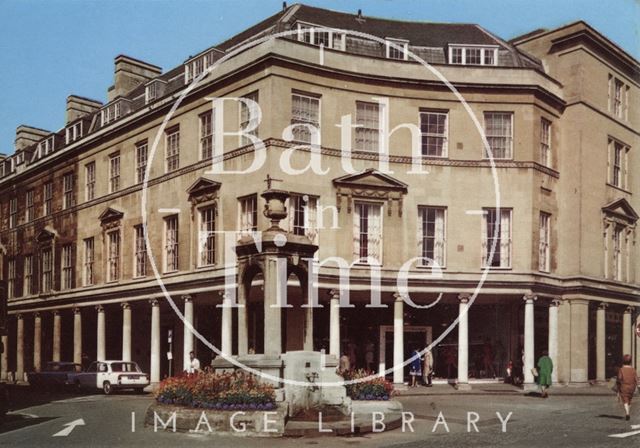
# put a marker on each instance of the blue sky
(52, 48)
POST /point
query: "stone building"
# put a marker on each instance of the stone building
(408, 184)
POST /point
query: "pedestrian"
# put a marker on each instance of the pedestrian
(344, 365)
(428, 368)
(415, 368)
(627, 382)
(545, 367)
(194, 364)
(368, 356)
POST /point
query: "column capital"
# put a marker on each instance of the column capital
(36, 315)
(530, 298)
(186, 298)
(464, 297)
(629, 309)
(77, 310)
(19, 316)
(125, 306)
(55, 313)
(153, 302)
(397, 297)
(603, 306)
(555, 302)
(334, 294)
(99, 308)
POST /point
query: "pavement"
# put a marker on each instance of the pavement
(487, 415)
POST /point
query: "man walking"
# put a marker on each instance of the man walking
(627, 381)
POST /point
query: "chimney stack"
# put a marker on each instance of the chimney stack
(129, 74)
(78, 107)
(28, 135)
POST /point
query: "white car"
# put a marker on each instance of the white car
(110, 375)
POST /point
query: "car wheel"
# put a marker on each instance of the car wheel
(106, 387)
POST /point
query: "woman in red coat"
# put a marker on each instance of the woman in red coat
(627, 383)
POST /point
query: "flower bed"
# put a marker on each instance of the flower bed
(376, 388)
(223, 391)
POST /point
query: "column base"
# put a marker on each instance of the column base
(463, 386)
(530, 387)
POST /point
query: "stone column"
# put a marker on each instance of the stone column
(529, 339)
(4, 359)
(243, 328)
(601, 338)
(579, 337)
(57, 327)
(187, 334)
(308, 325)
(155, 341)
(37, 342)
(626, 331)
(101, 335)
(77, 336)
(20, 349)
(398, 339)
(226, 343)
(126, 332)
(334, 323)
(273, 296)
(463, 341)
(553, 338)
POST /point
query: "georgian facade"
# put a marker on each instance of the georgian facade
(559, 248)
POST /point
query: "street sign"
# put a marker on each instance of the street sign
(169, 336)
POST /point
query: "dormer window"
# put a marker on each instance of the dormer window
(73, 132)
(195, 66)
(473, 55)
(320, 36)
(111, 112)
(397, 49)
(46, 146)
(154, 90)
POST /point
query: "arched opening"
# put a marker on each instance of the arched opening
(295, 322)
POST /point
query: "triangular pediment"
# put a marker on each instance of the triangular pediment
(110, 214)
(370, 179)
(622, 209)
(203, 186)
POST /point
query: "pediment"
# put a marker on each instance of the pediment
(203, 186)
(621, 208)
(110, 214)
(370, 179)
(45, 235)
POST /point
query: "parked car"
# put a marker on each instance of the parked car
(111, 375)
(55, 375)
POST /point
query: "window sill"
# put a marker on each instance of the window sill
(618, 188)
(497, 268)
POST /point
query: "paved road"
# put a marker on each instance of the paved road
(567, 419)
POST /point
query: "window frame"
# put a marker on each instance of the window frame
(546, 130)
(142, 147)
(486, 245)
(48, 198)
(360, 143)
(139, 252)
(245, 211)
(423, 211)
(90, 181)
(207, 255)
(175, 247)
(297, 130)
(425, 135)
(66, 267)
(114, 255)
(390, 49)
(357, 205)
(509, 138)
(172, 149)
(484, 49)
(68, 186)
(544, 243)
(115, 169)
(206, 139)
(88, 261)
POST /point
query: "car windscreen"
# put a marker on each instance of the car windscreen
(124, 367)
